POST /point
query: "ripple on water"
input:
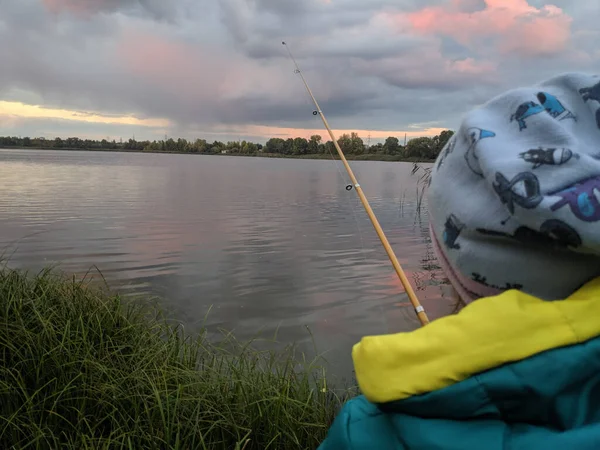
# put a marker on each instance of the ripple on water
(263, 244)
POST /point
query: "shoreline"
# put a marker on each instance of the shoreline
(102, 370)
(316, 156)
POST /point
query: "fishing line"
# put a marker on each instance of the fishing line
(420, 311)
(349, 187)
(352, 208)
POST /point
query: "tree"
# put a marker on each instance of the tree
(300, 146)
(441, 140)
(376, 148)
(170, 145)
(288, 148)
(182, 145)
(421, 147)
(153, 146)
(38, 142)
(351, 144)
(130, 145)
(357, 146)
(345, 143)
(199, 146)
(275, 145)
(329, 147)
(248, 147)
(391, 146)
(313, 144)
(233, 146)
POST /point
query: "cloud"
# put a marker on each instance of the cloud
(513, 25)
(197, 82)
(212, 68)
(21, 110)
(86, 8)
(429, 69)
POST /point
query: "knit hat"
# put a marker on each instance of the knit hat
(514, 196)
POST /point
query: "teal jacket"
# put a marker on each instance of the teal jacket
(510, 372)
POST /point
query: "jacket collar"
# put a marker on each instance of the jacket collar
(488, 333)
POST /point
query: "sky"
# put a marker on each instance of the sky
(217, 69)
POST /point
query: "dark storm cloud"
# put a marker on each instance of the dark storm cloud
(158, 9)
(377, 64)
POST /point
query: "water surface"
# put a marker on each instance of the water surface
(263, 244)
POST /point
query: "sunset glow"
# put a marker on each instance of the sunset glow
(155, 68)
(21, 110)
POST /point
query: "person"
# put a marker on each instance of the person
(514, 205)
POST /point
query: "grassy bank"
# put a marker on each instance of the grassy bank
(350, 157)
(81, 368)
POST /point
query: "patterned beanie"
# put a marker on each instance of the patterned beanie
(514, 197)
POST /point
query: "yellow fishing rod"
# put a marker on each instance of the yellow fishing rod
(386, 245)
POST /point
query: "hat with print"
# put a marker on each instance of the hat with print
(514, 196)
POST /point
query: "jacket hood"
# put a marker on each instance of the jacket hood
(486, 334)
(510, 372)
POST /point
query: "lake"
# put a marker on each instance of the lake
(248, 245)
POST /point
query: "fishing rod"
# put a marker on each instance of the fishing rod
(386, 245)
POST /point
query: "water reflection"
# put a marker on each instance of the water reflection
(267, 244)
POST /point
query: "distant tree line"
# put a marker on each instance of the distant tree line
(426, 148)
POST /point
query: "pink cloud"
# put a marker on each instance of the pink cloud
(75, 6)
(470, 66)
(193, 72)
(515, 25)
(173, 66)
(428, 68)
(187, 72)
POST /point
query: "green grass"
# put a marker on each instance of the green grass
(82, 368)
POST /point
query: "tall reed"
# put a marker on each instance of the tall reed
(81, 368)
